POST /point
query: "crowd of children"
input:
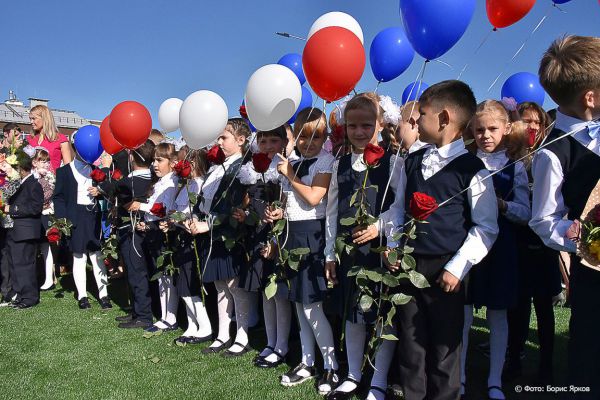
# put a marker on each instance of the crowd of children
(318, 233)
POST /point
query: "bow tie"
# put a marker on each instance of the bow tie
(302, 166)
(594, 129)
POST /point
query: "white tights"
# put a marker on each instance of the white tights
(79, 273)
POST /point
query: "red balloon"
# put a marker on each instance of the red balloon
(333, 61)
(131, 124)
(110, 145)
(503, 13)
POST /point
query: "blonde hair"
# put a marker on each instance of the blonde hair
(41, 155)
(49, 129)
(368, 101)
(408, 110)
(165, 150)
(570, 67)
(310, 120)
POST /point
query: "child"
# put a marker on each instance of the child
(220, 193)
(25, 208)
(134, 187)
(305, 183)
(75, 199)
(408, 131)
(41, 171)
(565, 172)
(363, 118)
(163, 192)
(493, 283)
(262, 190)
(187, 280)
(457, 235)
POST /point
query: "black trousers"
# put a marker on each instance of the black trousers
(584, 328)
(137, 274)
(5, 282)
(430, 334)
(23, 275)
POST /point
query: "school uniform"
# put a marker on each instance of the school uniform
(458, 235)
(565, 173)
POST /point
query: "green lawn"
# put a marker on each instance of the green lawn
(56, 351)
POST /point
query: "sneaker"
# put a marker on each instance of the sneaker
(291, 378)
(105, 303)
(328, 382)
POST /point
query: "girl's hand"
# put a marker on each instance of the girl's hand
(574, 231)
(362, 234)
(132, 206)
(284, 167)
(330, 267)
(94, 191)
(141, 226)
(198, 227)
(239, 215)
(164, 225)
(273, 214)
(267, 251)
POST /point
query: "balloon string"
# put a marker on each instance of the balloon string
(485, 39)
(520, 48)
(288, 35)
(377, 87)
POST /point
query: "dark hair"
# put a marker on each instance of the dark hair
(239, 127)
(545, 120)
(142, 156)
(279, 132)
(24, 162)
(165, 150)
(452, 94)
(310, 120)
(10, 126)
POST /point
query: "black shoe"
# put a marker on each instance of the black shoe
(134, 324)
(335, 395)
(198, 340)
(124, 318)
(217, 349)
(105, 303)
(328, 382)
(182, 340)
(228, 353)
(258, 357)
(263, 363)
(291, 378)
(21, 306)
(48, 288)
(84, 303)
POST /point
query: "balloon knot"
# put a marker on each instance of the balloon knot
(495, 29)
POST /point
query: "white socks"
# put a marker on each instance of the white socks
(79, 274)
(314, 325)
(49, 265)
(468, 311)
(282, 314)
(168, 302)
(498, 325)
(198, 322)
(225, 309)
(241, 299)
(355, 334)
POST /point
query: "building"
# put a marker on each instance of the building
(13, 110)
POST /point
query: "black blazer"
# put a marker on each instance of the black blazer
(25, 208)
(65, 195)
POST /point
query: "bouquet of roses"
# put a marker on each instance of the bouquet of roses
(59, 227)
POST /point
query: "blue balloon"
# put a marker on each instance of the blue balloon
(305, 102)
(524, 86)
(294, 62)
(560, 1)
(390, 54)
(87, 143)
(434, 26)
(413, 92)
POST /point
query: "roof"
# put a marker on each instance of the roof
(20, 114)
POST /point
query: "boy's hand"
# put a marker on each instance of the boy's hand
(164, 226)
(448, 282)
(132, 206)
(141, 226)
(239, 215)
(574, 231)
(94, 191)
(273, 214)
(330, 267)
(362, 234)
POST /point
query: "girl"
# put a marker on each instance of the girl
(539, 272)
(363, 119)
(220, 193)
(163, 192)
(41, 171)
(305, 183)
(264, 188)
(75, 199)
(493, 283)
(47, 136)
(187, 280)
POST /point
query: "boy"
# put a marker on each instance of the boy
(458, 235)
(565, 172)
(25, 208)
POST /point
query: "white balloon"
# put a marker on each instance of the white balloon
(337, 18)
(168, 114)
(272, 96)
(202, 118)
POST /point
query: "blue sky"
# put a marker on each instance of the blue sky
(88, 56)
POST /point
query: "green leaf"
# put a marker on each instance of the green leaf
(156, 276)
(347, 221)
(354, 270)
(271, 289)
(155, 360)
(408, 262)
(301, 251)
(392, 257)
(353, 199)
(178, 216)
(400, 299)
(349, 249)
(366, 302)
(160, 261)
(229, 244)
(412, 232)
(371, 219)
(390, 280)
(418, 279)
(389, 337)
(293, 263)
(379, 249)
(279, 226)
(193, 198)
(407, 249)
(390, 316)
(340, 244)
(373, 275)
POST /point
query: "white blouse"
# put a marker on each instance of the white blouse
(182, 202)
(212, 180)
(81, 173)
(163, 191)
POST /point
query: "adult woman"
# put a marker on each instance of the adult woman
(48, 137)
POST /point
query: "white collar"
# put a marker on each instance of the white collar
(569, 124)
(231, 159)
(140, 172)
(24, 179)
(497, 154)
(417, 145)
(80, 165)
(448, 150)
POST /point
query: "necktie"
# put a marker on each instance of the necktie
(302, 166)
(594, 129)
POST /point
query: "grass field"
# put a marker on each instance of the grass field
(56, 351)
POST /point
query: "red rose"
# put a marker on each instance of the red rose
(116, 175)
(422, 206)
(98, 175)
(107, 262)
(243, 112)
(373, 154)
(215, 155)
(159, 210)
(261, 162)
(531, 133)
(53, 235)
(183, 168)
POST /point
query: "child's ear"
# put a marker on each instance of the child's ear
(240, 140)
(444, 118)
(508, 130)
(591, 99)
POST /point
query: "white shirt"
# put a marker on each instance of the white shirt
(548, 209)
(81, 173)
(24, 179)
(417, 145)
(518, 210)
(212, 181)
(483, 203)
(162, 192)
(248, 176)
(144, 173)
(388, 221)
(296, 208)
(182, 202)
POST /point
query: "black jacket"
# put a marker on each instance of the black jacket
(25, 208)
